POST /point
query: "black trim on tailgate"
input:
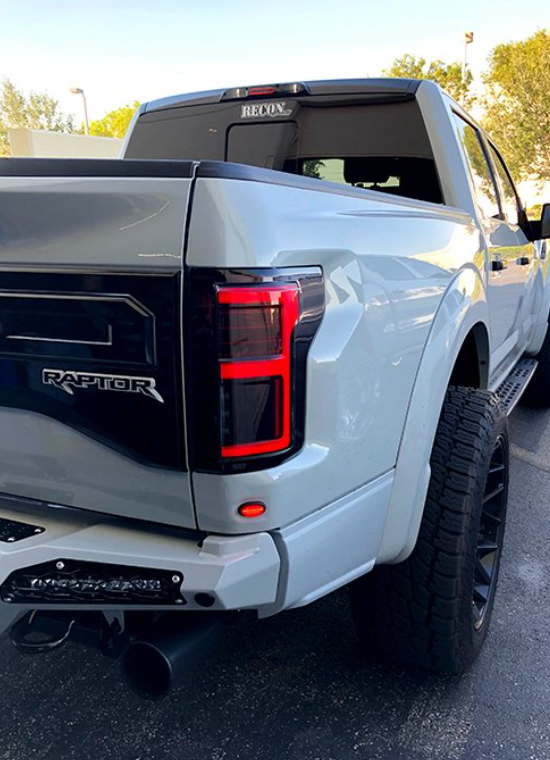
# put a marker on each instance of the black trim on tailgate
(100, 353)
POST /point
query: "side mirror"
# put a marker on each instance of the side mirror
(545, 222)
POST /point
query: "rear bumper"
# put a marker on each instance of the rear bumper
(237, 572)
(268, 572)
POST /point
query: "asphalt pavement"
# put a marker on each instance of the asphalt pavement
(298, 687)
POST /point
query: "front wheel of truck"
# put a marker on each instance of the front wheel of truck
(433, 610)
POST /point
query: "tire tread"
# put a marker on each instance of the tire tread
(416, 611)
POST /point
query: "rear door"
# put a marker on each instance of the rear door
(91, 399)
(525, 259)
(506, 245)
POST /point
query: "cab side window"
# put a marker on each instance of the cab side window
(508, 193)
(484, 183)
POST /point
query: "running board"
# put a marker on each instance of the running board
(511, 389)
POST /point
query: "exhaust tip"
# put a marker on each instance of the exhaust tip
(147, 670)
(158, 662)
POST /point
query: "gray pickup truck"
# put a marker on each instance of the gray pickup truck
(268, 354)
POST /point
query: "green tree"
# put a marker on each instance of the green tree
(446, 75)
(37, 111)
(115, 123)
(312, 168)
(517, 104)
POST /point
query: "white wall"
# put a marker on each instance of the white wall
(532, 192)
(39, 143)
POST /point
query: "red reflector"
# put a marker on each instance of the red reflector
(262, 90)
(252, 509)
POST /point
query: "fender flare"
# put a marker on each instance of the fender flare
(463, 306)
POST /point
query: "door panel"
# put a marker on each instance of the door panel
(509, 257)
(524, 253)
(509, 253)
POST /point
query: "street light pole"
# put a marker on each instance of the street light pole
(80, 91)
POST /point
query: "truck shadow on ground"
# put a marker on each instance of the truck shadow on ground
(296, 686)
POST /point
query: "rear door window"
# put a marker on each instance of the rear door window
(484, 184)
(508, 193)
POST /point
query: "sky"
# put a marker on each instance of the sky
(119, 51)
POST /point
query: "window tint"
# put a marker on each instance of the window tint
(486, 194)
(508, 195)
(337, 170)
(265, 145)
(396, 175)
(329, 169)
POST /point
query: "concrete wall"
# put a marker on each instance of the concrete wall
(39, 143)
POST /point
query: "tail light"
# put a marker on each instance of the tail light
(266, 91)
(255, 344)
(246, 365)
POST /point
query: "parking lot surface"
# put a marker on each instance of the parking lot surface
(297, 686)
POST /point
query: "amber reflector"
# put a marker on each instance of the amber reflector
(252, 509)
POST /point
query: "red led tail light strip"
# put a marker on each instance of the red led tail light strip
(285, 297)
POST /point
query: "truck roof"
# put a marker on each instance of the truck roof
(382, 86)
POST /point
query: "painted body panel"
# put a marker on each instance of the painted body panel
(463, 308)
(387, 264)
(513, 305)
(92, 222)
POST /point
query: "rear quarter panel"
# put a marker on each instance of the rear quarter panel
(387, 264)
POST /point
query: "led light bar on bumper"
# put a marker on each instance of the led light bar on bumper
(74, 582)
(249, 335)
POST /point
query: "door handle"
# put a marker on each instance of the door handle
(497, 265)
(523, 261)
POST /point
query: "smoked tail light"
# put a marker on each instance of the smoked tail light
(255, 338)
(249, 333)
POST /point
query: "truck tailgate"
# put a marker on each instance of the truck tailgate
(91, 396)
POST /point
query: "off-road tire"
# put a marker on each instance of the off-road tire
(537, 393)
(422, 612)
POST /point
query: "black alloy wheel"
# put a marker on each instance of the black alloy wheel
(491, 533)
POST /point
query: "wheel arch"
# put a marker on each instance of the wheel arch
(457, 351)
(471, 367)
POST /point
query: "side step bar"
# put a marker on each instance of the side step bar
(511, 389)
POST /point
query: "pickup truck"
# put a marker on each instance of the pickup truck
(268, 354)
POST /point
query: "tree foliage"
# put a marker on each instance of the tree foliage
(446, 75)
(517, 104)
(37, 111)
(312, 168)
(115, 123)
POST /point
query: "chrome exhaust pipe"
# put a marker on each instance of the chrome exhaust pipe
(158, 661)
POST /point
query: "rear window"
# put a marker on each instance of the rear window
(396, 175)
(382, 146)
